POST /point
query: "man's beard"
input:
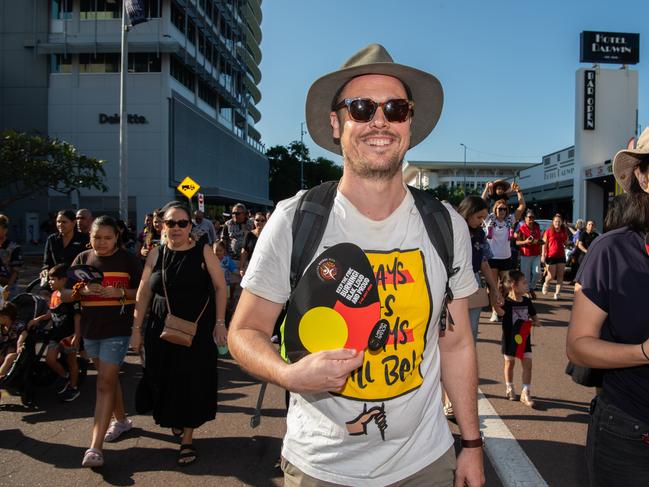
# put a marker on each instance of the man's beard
(366, 170)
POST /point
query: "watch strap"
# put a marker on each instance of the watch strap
(477, 443)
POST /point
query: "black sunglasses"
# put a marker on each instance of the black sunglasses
(502, 209)
(238, 212)
(261, 221)
(173, 223)
(363, 109)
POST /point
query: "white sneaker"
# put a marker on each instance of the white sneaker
(494, 317)
(116, 429)
(556, 296)
(544, 289)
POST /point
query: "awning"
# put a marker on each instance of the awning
(550, 194)
(236, 196)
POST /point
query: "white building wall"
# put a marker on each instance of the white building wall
(616, 106)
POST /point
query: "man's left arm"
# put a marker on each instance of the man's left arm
(460, 380)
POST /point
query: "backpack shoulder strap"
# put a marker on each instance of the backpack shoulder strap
(309, 223)
(439, 226)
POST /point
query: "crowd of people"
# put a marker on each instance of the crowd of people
(171, 293)
(181, 265)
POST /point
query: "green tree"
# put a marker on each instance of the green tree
(284, 170)
(33, 163)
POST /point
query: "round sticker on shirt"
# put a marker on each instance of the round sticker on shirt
(335, 305)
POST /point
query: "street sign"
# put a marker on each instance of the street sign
(201, 202)
(188, 187)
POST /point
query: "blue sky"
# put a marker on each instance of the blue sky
(507, 66)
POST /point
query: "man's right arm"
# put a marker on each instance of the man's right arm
(250, 345)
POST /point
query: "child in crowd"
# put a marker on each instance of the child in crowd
(228, 266)
(13, 333)
(65, 335)
(518, 316)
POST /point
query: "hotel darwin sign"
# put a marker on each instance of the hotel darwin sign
(609, 47)
(589, 99)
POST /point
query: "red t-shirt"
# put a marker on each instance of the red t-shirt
(524, 232)
(556, 242)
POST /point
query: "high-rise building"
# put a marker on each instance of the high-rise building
(192, 91)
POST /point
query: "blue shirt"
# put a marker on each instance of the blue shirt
(228, 266)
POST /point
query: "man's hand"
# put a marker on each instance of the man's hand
(325, 371)
(470, 468)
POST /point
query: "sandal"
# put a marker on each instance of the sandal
(177, 432)
(92, 458)
(187, 455)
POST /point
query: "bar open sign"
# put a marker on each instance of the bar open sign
(188, 187)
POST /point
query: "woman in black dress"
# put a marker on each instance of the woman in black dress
(183, 380)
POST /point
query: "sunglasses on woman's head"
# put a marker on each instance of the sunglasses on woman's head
(363, 109)
(173, 223)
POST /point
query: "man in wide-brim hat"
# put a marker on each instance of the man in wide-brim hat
(360, 417)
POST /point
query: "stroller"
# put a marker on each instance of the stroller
(29, 371)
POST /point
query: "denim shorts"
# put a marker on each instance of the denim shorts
(110, 350)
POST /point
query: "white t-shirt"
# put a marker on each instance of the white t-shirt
(397, 392)
(500, 232)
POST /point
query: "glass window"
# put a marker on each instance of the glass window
(207, 94)
(571, 153)
(61, 9)
(180, 72)
(152, 8)
(178, 17)
(143, 62)
(100, 9)
(191, 31)
(201, 43)
(99, 63)
(61, 63)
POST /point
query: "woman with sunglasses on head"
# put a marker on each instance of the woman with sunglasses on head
(184, 279)
(250, 240)
(553, 254)
(609, 330)
(500, 226)
(106, 321)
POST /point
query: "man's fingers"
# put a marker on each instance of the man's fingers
(339, 354)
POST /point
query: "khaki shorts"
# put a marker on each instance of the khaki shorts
(440, 473)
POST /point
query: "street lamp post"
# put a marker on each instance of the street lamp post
(464, 168)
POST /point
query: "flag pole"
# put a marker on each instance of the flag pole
(123, 123)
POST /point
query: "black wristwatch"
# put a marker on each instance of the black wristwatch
(477, 443)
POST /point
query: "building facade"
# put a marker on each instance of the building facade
(476, 174)
(192, 91)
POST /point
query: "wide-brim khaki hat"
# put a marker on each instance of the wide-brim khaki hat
(424, 88)
(626, 160)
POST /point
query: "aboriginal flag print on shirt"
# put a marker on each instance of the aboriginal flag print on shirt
(105, 317)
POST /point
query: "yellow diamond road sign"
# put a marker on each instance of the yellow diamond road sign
(188, 187)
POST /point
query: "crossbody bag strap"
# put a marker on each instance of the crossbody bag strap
(164, 286)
